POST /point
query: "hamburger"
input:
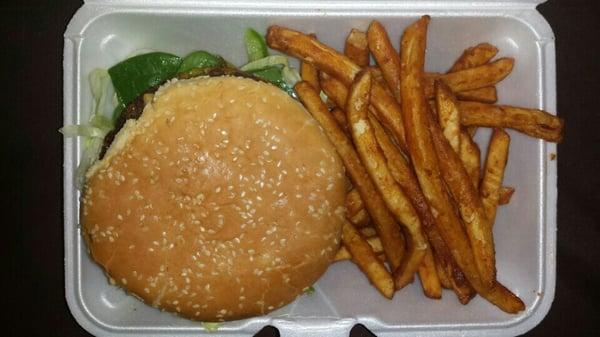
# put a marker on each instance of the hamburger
(222, 200)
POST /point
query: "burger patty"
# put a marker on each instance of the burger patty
(134, 109)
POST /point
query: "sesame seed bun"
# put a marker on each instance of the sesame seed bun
(224, 200)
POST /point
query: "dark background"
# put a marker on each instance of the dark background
(31, 170)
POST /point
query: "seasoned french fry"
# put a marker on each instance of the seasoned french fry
(472, 78)
(442, 276)
(339, 66)
(416, 117)
(404, 175)
(366, 259)
(356, 47)
(387, 58)
(533, 122)
(461, 142)
(470, 206)
(429, 277)
(470, 155)
(388, 230)
(448, 114)
(343, 255)
(355, 211)
(368, 232)
(309, 73)
(340, 117)
(360, 219)
(506, 193)
(493, 172)
(474, 56)
(374, 161)
(483, 95)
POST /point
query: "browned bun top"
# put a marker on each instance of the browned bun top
(223, 201)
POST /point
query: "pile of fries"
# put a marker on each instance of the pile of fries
(420, 200)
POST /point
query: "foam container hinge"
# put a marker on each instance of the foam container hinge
(103, 32)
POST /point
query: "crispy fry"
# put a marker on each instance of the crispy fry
(387, 58)
(415, 115)
(429, 277)
(404, 175)
(387, 228)
(448, 114)
(340, 117)
(374, 161)
(343, 255)
(364, 257)
(339, 66)
(493, 173)
(356, 47)
(470, 206)
(461, 142)
(483, 95)
(533, 122)
(334, 89)
(472, 78)
(474, 56)
(470, 155)
(355, 211)
(360, 219)
(442, 276)
(368, 232)
(309, 73)
(506, 193)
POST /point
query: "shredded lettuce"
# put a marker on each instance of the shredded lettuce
(211, 326)
(98, 126)
(309, 290)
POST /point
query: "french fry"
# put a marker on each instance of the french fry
(339, 66)
(533, 122)
(404, 175)
(356, 47)
(470, 206)
(360, 219)
(340, 117)
(343, 255)
(483, 95)
(366, 259)
(493, 172)
(388, 230)
(366, 145)
(355, 211)
(442, 275)
(428, 276)
(387, 58)
(474, 56)
(309, 73)
(506, 193)
(368, 232)
(459, 139)
(448, 114)
(416, 117)
(472, 78)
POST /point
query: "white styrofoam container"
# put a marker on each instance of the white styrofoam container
(104, 32)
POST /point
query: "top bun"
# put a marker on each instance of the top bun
(224, 200)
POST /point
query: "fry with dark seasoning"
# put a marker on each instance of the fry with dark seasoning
(388, 230)
(533, 122)
(356, 47)
(493, 172)
(375, 163)
(428, 276)
(415, 115)
(387, 58)
(474, 56)
(366, 259)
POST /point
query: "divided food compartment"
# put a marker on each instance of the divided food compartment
(104, 32)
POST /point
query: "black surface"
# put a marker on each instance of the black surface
(33, 281)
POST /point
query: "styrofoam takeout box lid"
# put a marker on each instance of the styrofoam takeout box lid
(104, 32)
